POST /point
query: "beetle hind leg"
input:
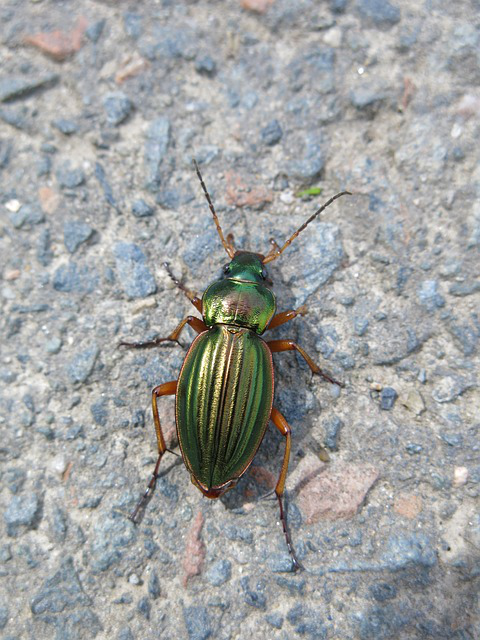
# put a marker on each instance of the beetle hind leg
(284, 428)
(166, 389)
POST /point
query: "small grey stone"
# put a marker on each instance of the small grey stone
(413, 448)
(272, 133)
(3, 616)
(156, 145)
(338, 6)
(412, 549)
(15, 87)
(360, 325)
(367, 98)
(134, 275)
(75, 232)
(5, 153)
(132, 23)
(67, 127)
(382, 591)
(452, 439)
(95, 30)
(44, 251)
(197, 622)
(99, 411)
(71, 277)
(69, 178)
(275, 620)
(44, 166)
(144, 607)
(27, 216)
(461, 289)
(174, 198)
(59, 523)
(255, 597)
(332, 431)
(154, 590)
(219, 572)
(206, 66)
(141, 209)
(449, 388)
(82, 364)
(310, 166)
(381, 13)
(21, 511)
(388, 395)
(15, 479)
(429, 295)
(117, 106)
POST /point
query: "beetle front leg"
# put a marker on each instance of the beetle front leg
(166, 389)
(198, 325)
(194, 299)
(290, 345)
(286, 316)
(284, 428)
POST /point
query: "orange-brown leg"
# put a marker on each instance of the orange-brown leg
(284, 428)
(196, 324)
(166, 389)
(286, 316)
(290, 345)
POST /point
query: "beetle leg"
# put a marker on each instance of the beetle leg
(194, 299)
(290, 345)
(286, 316)
(166, 389)
(194, 322)
(284, 428)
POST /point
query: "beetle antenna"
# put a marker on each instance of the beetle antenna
(228, 248)
(276, 253)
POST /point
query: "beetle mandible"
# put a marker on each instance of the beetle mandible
(224, 393)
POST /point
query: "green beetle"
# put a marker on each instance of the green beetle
(224, 393)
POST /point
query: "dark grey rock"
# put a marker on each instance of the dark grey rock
(27, 216)
(99, 411)
(118, 107)
(141, 209)
(76, 232)
(125, 634)
(62, 603)
(307, 622)
(15, 87)
(82, 364)
(317, 62)
(310, 166)
(380, 13)
(381, 623)
(272, 133)
(206, 154)
(367, 98)
(174, 198)
(429, 295)
(332, 432)
(275, 620)
(74, 278)
(15, 479)
(206, 66)
(461, 289)
(197, 622)
(133, 272)
(22, 511)
(156, 146)
(144, 607)
(388, 395)
(69, 178)
(360, 325)
(383, 591)
(132, 23)
(67, 127)
(154, 590)
(338, 6)
(5, 152)
(394, 341)
(112, 534)
(450, 387)
(407, 550)
(19, 118)
(3, 616)
(59, 523)
(466, 335)
(219, 573)
(254, 597)
(95, 30)
(452, 439)
(44, 166)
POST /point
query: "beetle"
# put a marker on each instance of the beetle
(224, 392)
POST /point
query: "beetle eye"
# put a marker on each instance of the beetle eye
(226, 268)
(264, 274)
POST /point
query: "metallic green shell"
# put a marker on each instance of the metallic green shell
(239, 303)
(223, 403)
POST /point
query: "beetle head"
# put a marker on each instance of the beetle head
(246, 267)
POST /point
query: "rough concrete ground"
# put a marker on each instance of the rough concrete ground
(102, 107)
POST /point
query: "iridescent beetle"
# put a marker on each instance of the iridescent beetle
(224, 393)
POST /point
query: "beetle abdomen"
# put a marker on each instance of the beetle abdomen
(223, 403)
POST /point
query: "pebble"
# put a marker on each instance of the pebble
(380, 13)
(310, 166)
(409, 549)
(414, 402)
(272, 133)
(460, 476)
(16, 87)
(95, 30)
(82, 365)
(156, 145)
(75, 233)
(118, 107)
(255, 597)
(67, 127)
(69, 178)
(332, 429)
(21, 511)
(133, 272)
(154, 589)
(219, 573)
(197, 622)
(141, 209)
(206, 66)
(71, 277)
(428, 294)
(388, 396)
(27, 216)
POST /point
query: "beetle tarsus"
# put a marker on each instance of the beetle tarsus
(283, 518)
